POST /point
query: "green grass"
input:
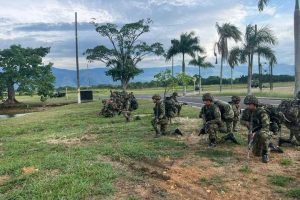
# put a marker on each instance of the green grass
(245, 169)
(294, 193)
(280, 180)
(80, 174)
(220, 156)
(286, 162)
(214, 180)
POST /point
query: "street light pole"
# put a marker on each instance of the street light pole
(77, 62)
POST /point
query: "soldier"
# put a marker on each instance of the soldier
(257, 121)
(126, 107)
(290, 112)
(227, 116)
(160, 121)
(108, 109)
(235, 104)
(177, 103)
(211, 117)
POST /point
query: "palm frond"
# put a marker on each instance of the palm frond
(262, 4)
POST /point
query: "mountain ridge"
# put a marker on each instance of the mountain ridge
(96, 76)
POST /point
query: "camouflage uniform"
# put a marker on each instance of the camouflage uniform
(226, 115)
(126, 109)
(235, 100)
(109, 108)
(160, 121)
(177, 103)
(259, 120)
(170, 107)
(211, 116)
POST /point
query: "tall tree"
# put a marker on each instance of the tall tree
(23, 67)
(187, 44)
(200, 62)
(255, 42)
(126, 50)
(272, 62)
(226, 31)
(233, 61)
(261, 6)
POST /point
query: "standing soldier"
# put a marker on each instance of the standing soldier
(235, 103)
(211, 117)
(257, 121)
(160, 121)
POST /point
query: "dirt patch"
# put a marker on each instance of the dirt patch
(203, 176)
(29, 170)
(73, 141)
(4, 179)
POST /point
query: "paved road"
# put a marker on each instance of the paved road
(197, 101)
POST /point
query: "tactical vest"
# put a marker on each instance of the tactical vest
(209, 113)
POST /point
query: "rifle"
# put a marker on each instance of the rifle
(252, 132)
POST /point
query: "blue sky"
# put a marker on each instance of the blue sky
(50, 23)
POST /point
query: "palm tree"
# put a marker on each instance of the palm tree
(226, 32)
(272, 62)
(261, 5)
(201, 63)
(187, 44)
(255, 42)
(233, 60)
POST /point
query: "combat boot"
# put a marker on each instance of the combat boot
(282, 141)
(157, 134)
(212, 143)
(232, 138)
(178, 132)
(265, 158)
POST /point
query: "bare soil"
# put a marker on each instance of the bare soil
(88, 137)
(186, 178)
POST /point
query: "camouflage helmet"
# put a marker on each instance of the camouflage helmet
(235, 98)
(207, 97)
(298, 95)
(251, 99)
(156, 97)
(175, 94)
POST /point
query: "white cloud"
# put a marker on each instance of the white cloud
(171, 18)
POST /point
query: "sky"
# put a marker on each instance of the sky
(50, 23)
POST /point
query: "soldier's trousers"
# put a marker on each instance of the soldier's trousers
(212, 131)
(160, 126)
(225, 126)
(178, 109)
(127, 115)
(261, 142)
(235, 124)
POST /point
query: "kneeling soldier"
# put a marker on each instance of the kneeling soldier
(211, 117)
(257, 121)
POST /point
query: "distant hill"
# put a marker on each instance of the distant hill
(97, 76)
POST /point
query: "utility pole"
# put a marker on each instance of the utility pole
(173, 72)
(297, 47)
(88, 73)
(77, 63)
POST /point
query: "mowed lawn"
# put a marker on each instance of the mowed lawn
(69, 152)
(63, 144)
